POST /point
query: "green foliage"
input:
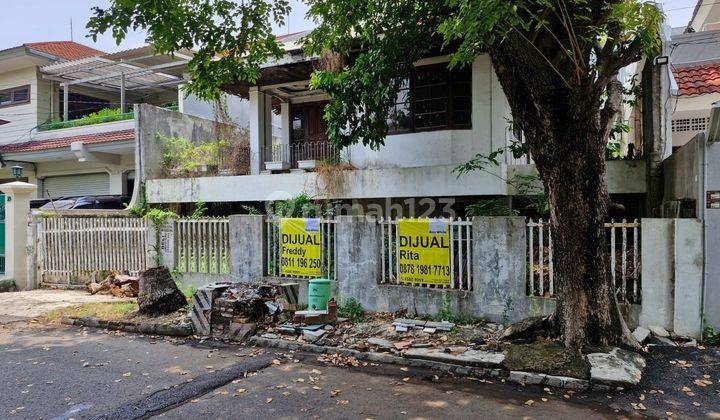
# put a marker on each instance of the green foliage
(490, 207)
(250, 209)
(102, 116)
(199, 211)
(352, 310)
(158, 217)
(141, 207)
(230, 38)
(710, 335)
(302, 205)
(447, 314)
(182, 155)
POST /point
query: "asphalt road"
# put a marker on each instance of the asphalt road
(67, 372)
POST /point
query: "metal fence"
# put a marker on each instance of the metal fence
(307, 150)
(328, 248)
(623, 240)
(461, 266)
(202, 246)
(72, 249)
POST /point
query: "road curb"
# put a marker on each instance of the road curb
(519, 377)
(171, 330)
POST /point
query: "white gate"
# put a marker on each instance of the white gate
(73, 250)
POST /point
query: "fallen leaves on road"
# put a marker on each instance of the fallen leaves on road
(529, 402)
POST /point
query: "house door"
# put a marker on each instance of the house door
(308, 131)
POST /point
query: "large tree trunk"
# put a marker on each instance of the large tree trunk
(586, 308)
(566, 132)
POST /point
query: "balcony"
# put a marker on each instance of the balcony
(302, 156)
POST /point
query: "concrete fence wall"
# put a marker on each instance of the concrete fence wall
(671, 272)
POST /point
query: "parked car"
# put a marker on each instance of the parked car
(101, 202)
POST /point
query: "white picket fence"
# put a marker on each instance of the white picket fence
(202, 245)
(461, 245)
(623, 239)
(328, 248)
(73, 249)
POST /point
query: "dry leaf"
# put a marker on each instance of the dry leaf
(529, 402)
(268, 401)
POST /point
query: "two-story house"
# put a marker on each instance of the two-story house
(445, 117)
(66, 113)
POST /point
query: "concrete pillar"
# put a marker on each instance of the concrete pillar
(499, 267)
(285, 124)
(658, 282)
(258, 129)
(358, 260)
(688, 252)
(166, 244)
(17, 209)
(247, 254)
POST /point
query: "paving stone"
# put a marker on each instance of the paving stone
(617, 368)
(641, 334)
(468, 358)
(658, 331)
(380, 342)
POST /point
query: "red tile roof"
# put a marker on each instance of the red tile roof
(67, 50)
(698, 80)
(38, 145)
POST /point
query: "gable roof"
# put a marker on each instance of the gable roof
(67, 50)
(38, 145)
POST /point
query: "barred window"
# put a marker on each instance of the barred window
(433, 98)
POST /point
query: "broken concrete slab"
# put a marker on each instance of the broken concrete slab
(313, 336)
(469, 358)
(641, 334)
(662, 341)
(617, 368)
(380, 342)
(239, 332)
(658, 331)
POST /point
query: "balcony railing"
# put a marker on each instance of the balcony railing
(100, 117)
(305, 155)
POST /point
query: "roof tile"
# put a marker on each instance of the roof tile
(699, 79)
(38, 145)
(67, 50)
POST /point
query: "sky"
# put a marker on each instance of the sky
(23, 21)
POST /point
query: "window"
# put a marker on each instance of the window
(433, 98)
(15, 96)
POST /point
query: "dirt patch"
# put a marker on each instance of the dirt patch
(546, 357)
(110, 311)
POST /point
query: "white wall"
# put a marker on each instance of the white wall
(237, 108)
(490, 113)
(689, 107)
(23, 118)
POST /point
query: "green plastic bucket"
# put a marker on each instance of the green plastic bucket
(318, 294)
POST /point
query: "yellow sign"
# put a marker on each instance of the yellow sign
(300, 247)
(424, 251)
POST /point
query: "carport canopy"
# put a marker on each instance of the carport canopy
(131, 70)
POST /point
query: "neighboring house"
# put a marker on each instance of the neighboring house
(695, 62)
(705, 17)
(448, 116)
(66, 113)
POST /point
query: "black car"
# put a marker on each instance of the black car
(100, 202)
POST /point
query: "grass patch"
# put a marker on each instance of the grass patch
(111, 311)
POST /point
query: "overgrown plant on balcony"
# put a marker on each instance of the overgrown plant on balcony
(102, 116)
(182, 157)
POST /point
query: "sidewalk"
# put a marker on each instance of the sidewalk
(19, 306)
